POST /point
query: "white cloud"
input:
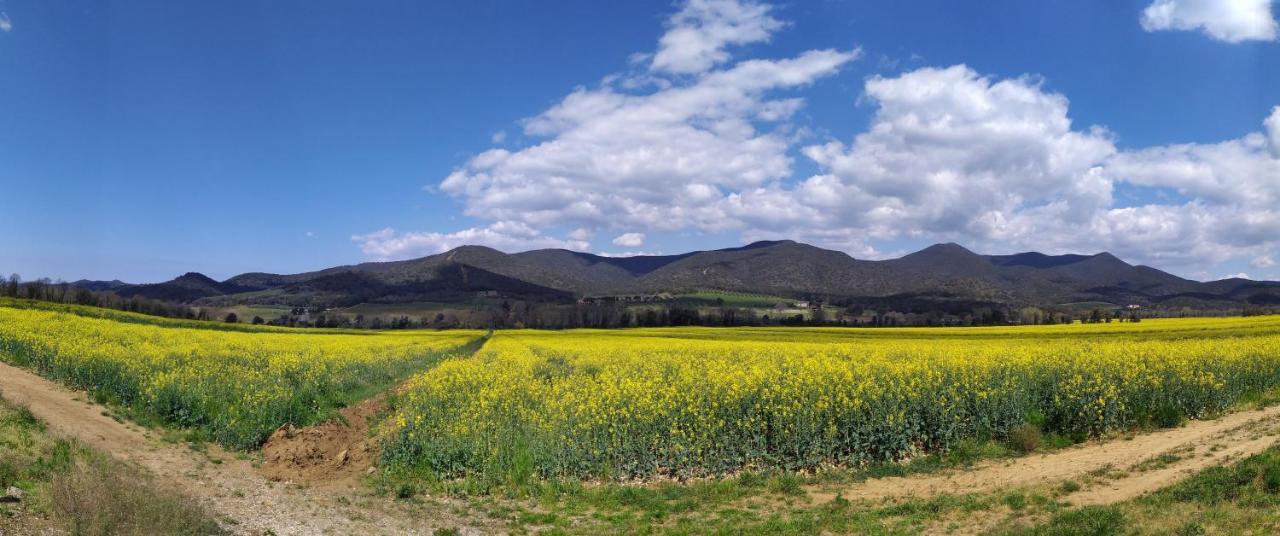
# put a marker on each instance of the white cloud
(629, 240)
(1240, 275)
(698, 34)
(661, 160)
(580, 234)
(309, 234)
(950, 155)
(388, 244)
(6, 25)
(952, 152)
(998, 165)
(1235, 190)
(1262, 261)
(499, 137)
(629, 253)
(1232, 21)
(1273, 130)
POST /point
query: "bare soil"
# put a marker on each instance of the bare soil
(331, 454)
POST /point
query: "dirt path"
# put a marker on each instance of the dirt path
(1112, 471)
(1153, 473)
(231, 487)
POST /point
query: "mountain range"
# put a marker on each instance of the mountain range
(776, 268)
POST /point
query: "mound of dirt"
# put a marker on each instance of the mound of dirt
(332, 453)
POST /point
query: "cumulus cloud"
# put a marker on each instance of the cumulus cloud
(1232, 21)
(6, 25)
(950, 154)
(629, 253)
(998, 164)
(1273, 130)
(659, 160)
(698, 34)
(387, 244)
(629, 240)
(951, 151)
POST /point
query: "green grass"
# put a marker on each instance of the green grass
(82, 491)
(734, 299)
(389, 310)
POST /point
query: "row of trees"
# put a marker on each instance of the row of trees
(60, 292)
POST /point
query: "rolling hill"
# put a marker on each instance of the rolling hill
(780, 268)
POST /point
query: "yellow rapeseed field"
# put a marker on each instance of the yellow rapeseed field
(694, 401)
(235, 385)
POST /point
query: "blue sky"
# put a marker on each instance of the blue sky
(140, 140)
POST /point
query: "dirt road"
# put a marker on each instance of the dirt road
(1111, 471)
(230, 486)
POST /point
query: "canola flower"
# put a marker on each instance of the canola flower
(237, 386)
(697, 401)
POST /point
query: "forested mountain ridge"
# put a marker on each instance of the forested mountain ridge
(779, 268)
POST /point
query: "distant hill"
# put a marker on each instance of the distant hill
(99, 285)
(779, 268)
(188, 287)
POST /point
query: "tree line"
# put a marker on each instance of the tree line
(606, 314)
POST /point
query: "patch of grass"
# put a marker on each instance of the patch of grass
(1255, 480)
(967, 452)
(1025, 438)
(101, 496)
(1069, 486)
(84, 491)
(1087, 521)
(1060, 441)
(1156, 462)
(786, 484)
(1015, 501)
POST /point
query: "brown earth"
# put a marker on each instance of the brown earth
(334, 453)
(228, 483)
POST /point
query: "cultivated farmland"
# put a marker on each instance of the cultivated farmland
(696, 402)
(684, 430)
